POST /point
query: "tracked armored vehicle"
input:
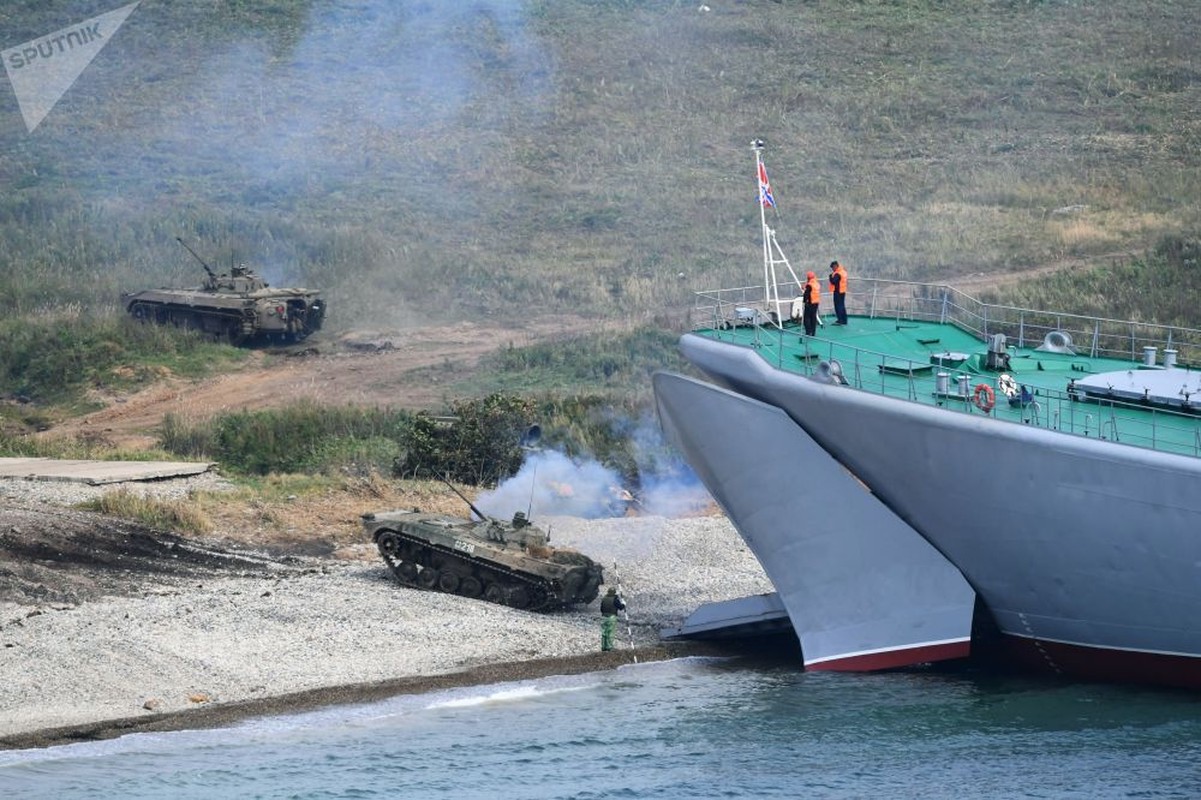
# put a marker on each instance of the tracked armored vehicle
(510, 563)
(238, 307)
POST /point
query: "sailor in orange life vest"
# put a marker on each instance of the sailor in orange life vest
(838, 288)
(813, 298)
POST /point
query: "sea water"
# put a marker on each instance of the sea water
(690, 728)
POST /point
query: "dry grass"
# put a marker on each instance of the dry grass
(184, 516)
(321, 516)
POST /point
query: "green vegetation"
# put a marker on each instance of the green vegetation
(51, 359)
(479, 444)
(284, 487)
(617, 363)
(475, 440)
(13, 443)
(294, 439)
(478, 441)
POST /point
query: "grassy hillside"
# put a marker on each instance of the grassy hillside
(515, 158)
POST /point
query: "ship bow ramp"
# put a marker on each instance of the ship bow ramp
(862, 589)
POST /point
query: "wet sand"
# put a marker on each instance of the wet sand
(225, 714)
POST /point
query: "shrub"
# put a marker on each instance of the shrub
(479, 444)
(303, 437)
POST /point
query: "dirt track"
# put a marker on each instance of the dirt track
(405, 369)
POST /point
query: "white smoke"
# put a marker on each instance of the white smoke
(669, 486)
(677, 494)
(551, 483)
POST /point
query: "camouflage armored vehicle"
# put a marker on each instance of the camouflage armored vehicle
(238, 307)
(509, 563)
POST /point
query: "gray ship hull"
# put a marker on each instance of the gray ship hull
(862, 589)
(1087, 552)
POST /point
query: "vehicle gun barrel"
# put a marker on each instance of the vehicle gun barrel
(207, 268)
(463, 497)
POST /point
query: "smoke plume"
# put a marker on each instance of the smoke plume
(551, 483)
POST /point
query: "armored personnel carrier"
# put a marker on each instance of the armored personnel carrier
(510, 563)
(238, 307)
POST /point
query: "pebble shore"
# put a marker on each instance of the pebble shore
(322, 625)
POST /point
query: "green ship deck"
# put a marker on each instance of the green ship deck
(1119, 381)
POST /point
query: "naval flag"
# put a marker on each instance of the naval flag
(765, 195)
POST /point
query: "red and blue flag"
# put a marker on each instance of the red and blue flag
(765, 195)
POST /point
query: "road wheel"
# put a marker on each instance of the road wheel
(539, 598)
(519, 597)
(494, 593)
(407, 572)
(388, 543)
(448, 582)
(428, 578)
(470, 587)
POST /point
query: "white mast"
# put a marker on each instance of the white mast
(773, 255)
(767, 276)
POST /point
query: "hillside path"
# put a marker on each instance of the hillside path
(406, 369)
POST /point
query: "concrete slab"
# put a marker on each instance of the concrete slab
(98, 472)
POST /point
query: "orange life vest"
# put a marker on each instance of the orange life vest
(841, 288)
(815, 290)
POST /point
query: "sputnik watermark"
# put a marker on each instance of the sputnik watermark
(42, 70)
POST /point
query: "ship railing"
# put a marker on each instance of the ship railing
(1087, 336)
(1090, 337)
(1064, 410)
(725, 309)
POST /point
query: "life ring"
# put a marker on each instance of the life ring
(984, 397)
(1008, 385)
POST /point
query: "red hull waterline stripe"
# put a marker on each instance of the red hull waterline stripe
(1105, 664)
(893, 659)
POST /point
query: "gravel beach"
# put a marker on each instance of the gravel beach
(189, 648)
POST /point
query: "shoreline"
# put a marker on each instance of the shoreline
(180, 649)
(218, 715)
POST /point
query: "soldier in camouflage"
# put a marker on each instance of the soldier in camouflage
(611, 605)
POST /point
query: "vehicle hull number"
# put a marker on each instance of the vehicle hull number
(465, 547)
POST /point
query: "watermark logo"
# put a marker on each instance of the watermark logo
(42, 70)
